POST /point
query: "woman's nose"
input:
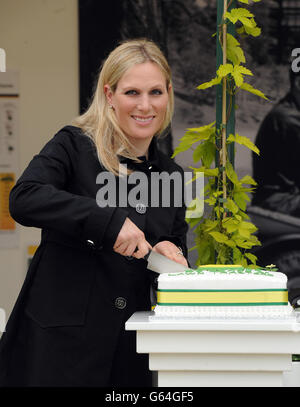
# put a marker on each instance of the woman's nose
(144, 103)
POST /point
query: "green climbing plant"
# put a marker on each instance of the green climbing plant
(227, 235)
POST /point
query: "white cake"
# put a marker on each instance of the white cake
(223, 292)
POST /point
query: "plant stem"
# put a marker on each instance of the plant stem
(224, 118)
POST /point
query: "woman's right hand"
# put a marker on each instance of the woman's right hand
(129, 238)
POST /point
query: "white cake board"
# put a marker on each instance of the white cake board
(217, 353)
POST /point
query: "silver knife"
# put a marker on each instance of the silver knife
(161, 264)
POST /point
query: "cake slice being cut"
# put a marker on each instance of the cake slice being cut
(217, 291)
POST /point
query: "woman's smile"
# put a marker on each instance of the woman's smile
(143, 120)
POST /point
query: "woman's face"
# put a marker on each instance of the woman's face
(140, 101)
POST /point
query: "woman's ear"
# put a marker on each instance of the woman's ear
(108, 93)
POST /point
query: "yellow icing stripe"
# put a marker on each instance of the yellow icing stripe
(224, 266)
(222, 297)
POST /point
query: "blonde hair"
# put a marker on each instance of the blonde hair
(99, 121)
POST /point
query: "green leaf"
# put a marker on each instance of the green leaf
(244, 233)
(191, 136)
(208, 172)
(245, 141)
(219, 237)
(224, 70)
(213, 82)
(242, 242)
(202, 133)
(237, 256)
(238, 217)
(194, 135)
(185, 143)
(232, 41)
(238, 79)
(230, 224)
(239, 14)
(254, 31)
(235, 53)
(241, 31)
(217, 193)
(244, 215)
(244, 1)
(231, 206)
(230, 138)
(251, 257)
(248, 180)
(209, 225)
(254, 240)
(198, 153)
(242, 70)
(230, 243)
(202, 129)
(205, 250)
(246, 229)
(247, 22)
(210, 201)
(251, 89)
(240, 198)
(224, 254)
(209, 153)
(238, 73)
(248, 226)
(231, 174)
(243, 262)
(206, 152)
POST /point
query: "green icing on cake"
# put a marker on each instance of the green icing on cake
(224, 269)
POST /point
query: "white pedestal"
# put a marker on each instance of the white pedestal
(224, 353)
(291, 378)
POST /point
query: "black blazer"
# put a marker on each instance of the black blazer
(57, 193)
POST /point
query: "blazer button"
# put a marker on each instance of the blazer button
(120, 303)
(90, 243)
(129, 258)
(141, 208)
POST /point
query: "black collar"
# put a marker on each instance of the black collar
(154, 158)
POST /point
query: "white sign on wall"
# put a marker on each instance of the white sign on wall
(9, 149)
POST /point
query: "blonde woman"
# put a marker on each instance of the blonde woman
(88, 275)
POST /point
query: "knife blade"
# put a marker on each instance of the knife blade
(162, 264)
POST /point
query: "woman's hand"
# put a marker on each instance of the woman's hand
(171, 251)
(129, 238)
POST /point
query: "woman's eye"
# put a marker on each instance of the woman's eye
(135, 92)
(131, 92)
(156, 92)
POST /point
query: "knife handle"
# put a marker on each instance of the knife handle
(146, 255)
